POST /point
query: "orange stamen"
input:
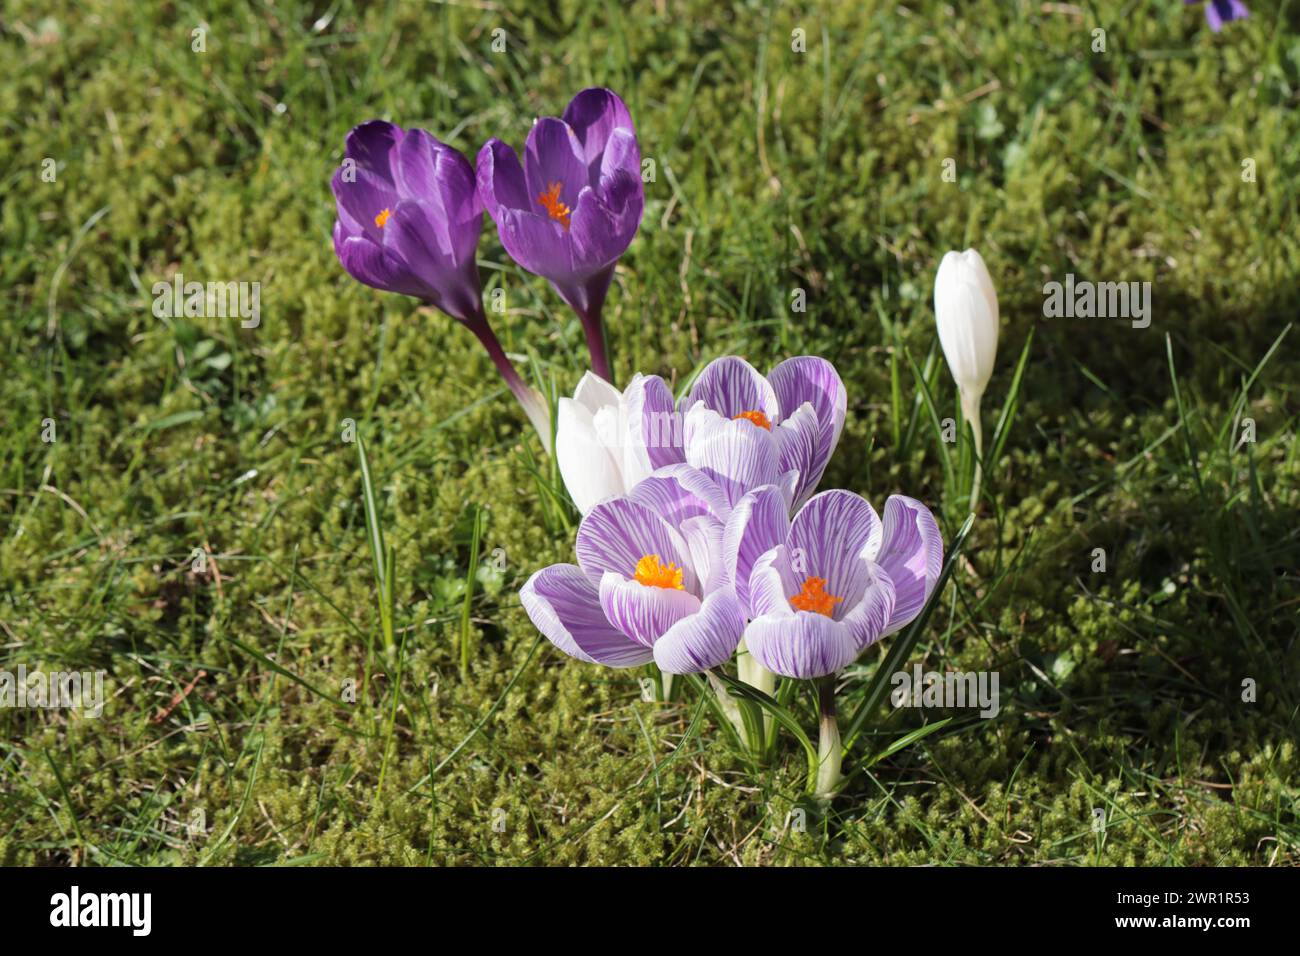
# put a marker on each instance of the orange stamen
(383, 218)
(758, 418)
(813, 597)
(557, 210)
(653, 574)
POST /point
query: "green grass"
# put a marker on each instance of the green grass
(775, 171)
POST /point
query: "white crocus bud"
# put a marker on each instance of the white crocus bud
(598, 454)
(966, 308)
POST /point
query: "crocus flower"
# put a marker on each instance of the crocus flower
(646, 583)
(1219, 12)
(837, 580)
(606, 441)
(409, 219)
(746, 431)
(571, 209)
(966, 308)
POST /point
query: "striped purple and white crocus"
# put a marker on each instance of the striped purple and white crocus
(824, 586)
(647, 585)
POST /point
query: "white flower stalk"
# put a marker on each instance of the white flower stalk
(598, 454)
(966, 308)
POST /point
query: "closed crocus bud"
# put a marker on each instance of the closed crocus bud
(966, 308)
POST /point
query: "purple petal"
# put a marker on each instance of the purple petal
(703, 640)
(827, 537)
(802, 644)
(640, 611)
(371, 145)
(654, 421)
(809, 378)
(599, 237)
(620, 183)
(411, 233)
(368, 195)
(538, 243)
(368, 262)
(729, 385)
(593, 115)
(759, 522)
(500, 179)
(911, 552)
(738, 455)
(620, 532)
(565, 607)
(678, 492)
(803, 449)
(553, 154)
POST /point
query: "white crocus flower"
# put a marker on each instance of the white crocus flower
(966, 308)
(597, 452)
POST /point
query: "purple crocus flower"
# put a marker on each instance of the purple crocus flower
(745, 430)
(646, 585)
(1219, 12)
(835, 579)
(409, 219)
(571, 210)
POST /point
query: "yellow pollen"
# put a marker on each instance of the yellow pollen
(653, 574)
(557, 210)
(758, 418)
(813, 597)
(383, 218)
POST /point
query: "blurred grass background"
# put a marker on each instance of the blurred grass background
(226, 737)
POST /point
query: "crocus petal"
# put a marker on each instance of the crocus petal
(730, 385)
(643, 612)
(771, 584)
(598, 236)
(827, 537)
(590, 473)
(565, 606)
(759, 522)
(620, 185)
(411, 234)
(869, 617)
(803, 449)
(810, 378)
(594, 393)
(538, 243)
(738, 455)
(368, 262)
(911, 552)
(803, 644)
(501, 183)
(620, 532)
(703, 536)
(593, 115)
(364, 197)
(552, 155)
(370, 145)
(703, 640)
(679, 492)
(653, 422)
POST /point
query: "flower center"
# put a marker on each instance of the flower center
(813, 597)
(557, 210)
(757, 417)
(383, 218)
(655, 575)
